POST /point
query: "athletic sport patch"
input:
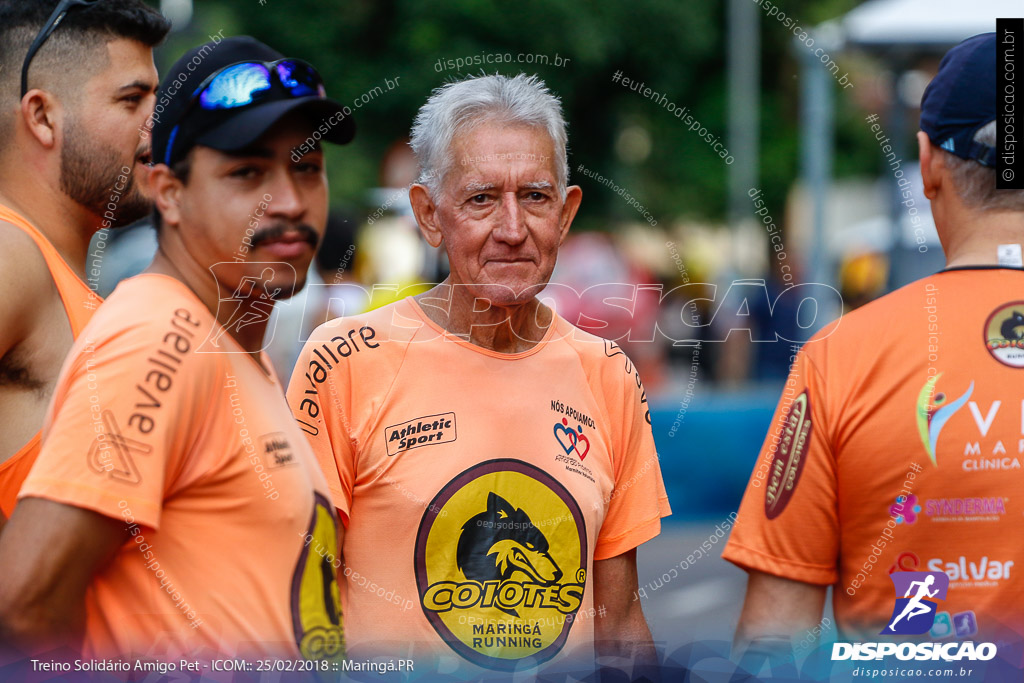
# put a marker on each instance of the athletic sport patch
(788, 462)
(428, 430)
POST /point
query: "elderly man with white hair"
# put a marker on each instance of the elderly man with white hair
(493, 465)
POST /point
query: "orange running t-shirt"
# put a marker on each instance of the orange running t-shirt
(233, 536)
(897, 446)
(478, 488)
(79, 303)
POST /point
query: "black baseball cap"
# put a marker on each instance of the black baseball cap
(176, 121)
(962, 98)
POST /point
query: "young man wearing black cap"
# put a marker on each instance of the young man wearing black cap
(175, 499)
(897, 446)
(77, 83)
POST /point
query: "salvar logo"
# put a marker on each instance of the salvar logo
(947, 652)
(963, 569)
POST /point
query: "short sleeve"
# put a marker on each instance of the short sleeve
(125, 413)
(321, 403)
(638, 501)
(788, 522)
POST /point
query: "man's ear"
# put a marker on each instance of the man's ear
(573, 197)
(165, 188)
(425, 210)
(41, 113)
(932, 164)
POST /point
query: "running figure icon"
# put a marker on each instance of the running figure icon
(917, 596)
(915, 607)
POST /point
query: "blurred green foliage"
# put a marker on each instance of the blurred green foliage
(677, 47)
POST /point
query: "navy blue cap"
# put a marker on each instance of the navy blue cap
(177, 129)
(962, 98)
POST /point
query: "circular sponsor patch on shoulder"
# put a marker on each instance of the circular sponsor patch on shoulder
(501, 564)
(788, 463)
(1004, 334)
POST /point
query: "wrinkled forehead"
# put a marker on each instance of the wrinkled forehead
(515, 139)
(491, 155)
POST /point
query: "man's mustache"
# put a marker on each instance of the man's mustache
(275, 232)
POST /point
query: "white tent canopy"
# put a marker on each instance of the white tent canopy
(928, 25)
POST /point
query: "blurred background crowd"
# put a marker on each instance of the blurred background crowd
(816, 104)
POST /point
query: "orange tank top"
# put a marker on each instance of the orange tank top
(79, 302)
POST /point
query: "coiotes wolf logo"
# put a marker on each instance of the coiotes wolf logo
(1004, 334)
(500, 543)
(1013, 327)
(501, 564)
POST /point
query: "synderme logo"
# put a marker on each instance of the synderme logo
(947, 652)
(916, 593)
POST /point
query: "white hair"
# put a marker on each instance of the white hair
(976, 184)
(456, 108)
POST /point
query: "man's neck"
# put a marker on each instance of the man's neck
(974, 237)
(208, 290)
(62, 221)
(502, 329)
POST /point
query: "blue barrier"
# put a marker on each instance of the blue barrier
(708, 461)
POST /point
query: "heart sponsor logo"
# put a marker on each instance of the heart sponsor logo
(566, 437)
(570, 439)
(585, 441)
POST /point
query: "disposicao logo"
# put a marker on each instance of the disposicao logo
(947, 652)
(914, 614)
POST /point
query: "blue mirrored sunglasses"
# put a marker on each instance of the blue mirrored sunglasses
(239, 85)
